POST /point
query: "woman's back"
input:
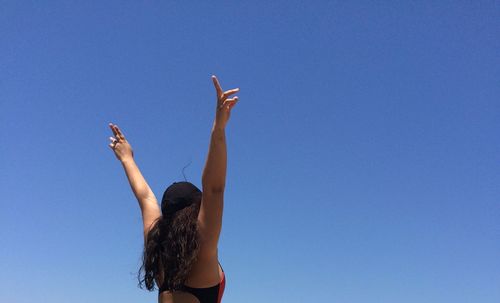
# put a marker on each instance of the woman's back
(203, 276)
(205, 284)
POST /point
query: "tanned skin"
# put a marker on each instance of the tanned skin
(206, 271)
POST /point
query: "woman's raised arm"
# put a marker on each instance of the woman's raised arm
(214, 173)
(145, 196)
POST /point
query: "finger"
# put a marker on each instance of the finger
(233, 103)
(111, 146)
(218, 89)
(113, 139)
(112, 128)
(229, 103)
(119, 132)
(230, 92)
(226, 103)
(231, 100)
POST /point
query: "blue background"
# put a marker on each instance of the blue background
(363, 155)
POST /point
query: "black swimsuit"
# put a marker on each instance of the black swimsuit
(211, 294)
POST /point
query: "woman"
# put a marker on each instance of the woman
(180, 238)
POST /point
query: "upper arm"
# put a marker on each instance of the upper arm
(210, 220)
(150, 212)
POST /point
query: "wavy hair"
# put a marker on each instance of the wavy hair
(170, 249)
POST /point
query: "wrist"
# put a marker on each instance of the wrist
(218, 127)
(126, 160)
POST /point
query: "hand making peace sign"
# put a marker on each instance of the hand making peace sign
(119, 144)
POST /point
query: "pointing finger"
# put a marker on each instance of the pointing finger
(218, 89)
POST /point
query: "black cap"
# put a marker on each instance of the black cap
(178, 196)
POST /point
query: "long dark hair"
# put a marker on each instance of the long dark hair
(171, 245)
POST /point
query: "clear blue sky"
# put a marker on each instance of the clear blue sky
(363, 155)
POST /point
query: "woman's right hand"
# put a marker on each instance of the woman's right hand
(224, 103)
(120, 146)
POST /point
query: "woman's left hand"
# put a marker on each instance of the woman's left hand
(224, 103)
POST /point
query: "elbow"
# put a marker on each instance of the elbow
(213, 188)
(144, 193)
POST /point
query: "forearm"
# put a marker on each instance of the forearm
(137, 182)
(214, 173)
